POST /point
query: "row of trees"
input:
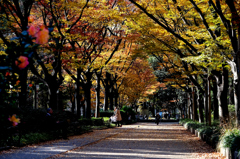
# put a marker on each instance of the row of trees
(197, 43)
(80, 46)
(95, 45)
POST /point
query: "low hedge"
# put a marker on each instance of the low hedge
(214, 131)
(106, 113)
(33, 138)
(231, 139)
(33, 123)
(91, 122)
(126, 112)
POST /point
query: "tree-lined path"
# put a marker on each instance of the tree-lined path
(140, 140)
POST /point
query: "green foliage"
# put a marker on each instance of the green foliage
(97, 121)
(126, 111)
(33, 138)
(209, 130)
(65, 116)
(93, 121)
(106, 113)
(6, 110)
(85, 121)
(215, 122)
(185, 120)
(107, 123)
(231, 139)
(32, 120)
(231, 108)
(105, 119)
(214, 131)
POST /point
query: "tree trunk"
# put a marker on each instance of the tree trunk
(106, 93)
(53, 102)
(206, 101)
(82, 105)
(215, 100)
(97, 113)
(195, 105)
(73, 101)
(190, 112)
(87, 95)
(237, 86)
(235, 64)
(236, 76)
(78, 96)
(106, 97)
(209, 103)
(60, 100)
(188, 106)
(23, 93)
(200, 103)
(111, 95)
(224, 95)
(116, 95)
(231, 94)
(222, 90)
(236, 101)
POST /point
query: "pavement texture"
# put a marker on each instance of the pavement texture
(137, 141)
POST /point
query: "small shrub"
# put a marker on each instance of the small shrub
(105, 119)
(85, 121)
(97, 121)
(106, 113)
(213, 131)
(91, 122)
(126, 112)
(194, 124)
(185, 120)
(33, 138)
(231, 139)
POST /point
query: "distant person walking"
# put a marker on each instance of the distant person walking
(157, 120)
(118, 116)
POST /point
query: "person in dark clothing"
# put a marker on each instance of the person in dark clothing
(157, 118)
(50, 122)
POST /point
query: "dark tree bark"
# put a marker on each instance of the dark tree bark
(206, 100)
(23, 93)
(87, 94)
(195, 105)
(222, 92)
(20, 11)
(106, 92)
(73, 101)
(224, 95)
(53, 101)
(200, 102)
(97, 113)
(111, 94)
(215, 100)
(78, 96)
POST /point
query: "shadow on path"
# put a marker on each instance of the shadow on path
(136, 141)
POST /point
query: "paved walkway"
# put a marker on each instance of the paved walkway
(136, 141)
